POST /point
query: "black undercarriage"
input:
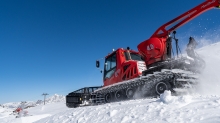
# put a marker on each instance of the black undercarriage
(80, 97)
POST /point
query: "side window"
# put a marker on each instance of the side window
(95, 89)
(79, 91)
(110, 66)
(86, 90)
(90, 90)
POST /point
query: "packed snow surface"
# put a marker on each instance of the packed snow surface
(200, 107)
(166, 109)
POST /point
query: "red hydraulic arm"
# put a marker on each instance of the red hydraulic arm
(186, 17)
(158, 47)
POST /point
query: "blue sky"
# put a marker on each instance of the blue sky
(51, 46)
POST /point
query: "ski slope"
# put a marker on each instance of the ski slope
(167, 109)
(200, 107)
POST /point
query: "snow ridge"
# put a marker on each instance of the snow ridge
(56, 98)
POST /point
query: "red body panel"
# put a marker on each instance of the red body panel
(153, 50)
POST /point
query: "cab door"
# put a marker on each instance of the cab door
(109, 69)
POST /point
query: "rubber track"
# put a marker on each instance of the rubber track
(149, 80)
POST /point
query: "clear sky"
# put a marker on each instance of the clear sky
(50, 46)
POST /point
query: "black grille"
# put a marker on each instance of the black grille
(73, 99)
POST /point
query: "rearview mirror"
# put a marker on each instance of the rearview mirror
(97, 64)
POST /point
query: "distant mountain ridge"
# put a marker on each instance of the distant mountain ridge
(53, 99)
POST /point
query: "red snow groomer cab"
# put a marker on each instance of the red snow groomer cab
(124, 64)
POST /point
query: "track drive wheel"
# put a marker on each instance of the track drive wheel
(160, 87)
(108, 98)
(130, 93)
(119, 95)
